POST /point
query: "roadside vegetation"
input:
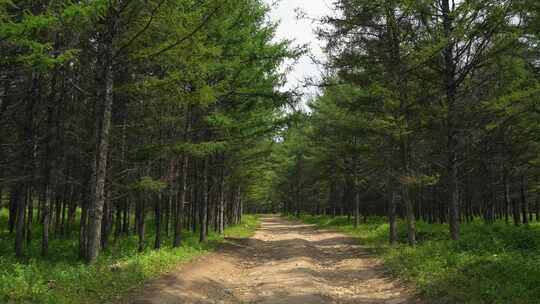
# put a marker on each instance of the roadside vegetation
(427, 125)
(63, 278)
(130, 132)
(489, 264)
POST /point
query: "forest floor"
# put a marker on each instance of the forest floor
(285, 262)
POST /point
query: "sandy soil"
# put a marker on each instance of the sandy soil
(285, 262)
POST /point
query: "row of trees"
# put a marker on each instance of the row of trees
(113, 109)
(430, 110)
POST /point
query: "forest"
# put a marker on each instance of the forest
(426, 135)
(429, 111)
(137, 135)
(127, 126)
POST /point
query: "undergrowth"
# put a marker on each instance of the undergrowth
(63, 279)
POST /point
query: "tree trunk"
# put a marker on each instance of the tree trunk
(506, 197)
(180, 201)
(103, 126)
(83, 226)
(411, 220)
(29, 216)
(537, 207)
(356, 207)
(26, 163)
(141, 221)
(524, 201)
(46, 221)
(158, 217)
(452, 118)
(20, 201)
(515, 212)
(12, 209)
(392, 219)
(118, 220)
(221, 207)
(105, 222)
(398, 72)
(204, 204)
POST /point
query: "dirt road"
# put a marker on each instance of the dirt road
(284, 262)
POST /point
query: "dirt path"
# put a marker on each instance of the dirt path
(284, 262)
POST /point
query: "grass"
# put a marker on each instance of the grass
(63, 279)
(489, 264)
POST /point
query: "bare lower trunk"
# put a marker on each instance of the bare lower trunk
(356, 208)
(46, 221)
(105, 223)
(221, 207)
(411, 219)
(29, 216)
(141, 222)
(12, 210)
(451, 121)
(20, 201)
(537, 206)
(180, 202)
(515, 212)
(524, 201)
(454, 201)
(204, 205)
(392, 219)
(118, 221)
(506, 197)
(27, 160)
(158, 218)
(95, 210)
(83, 228)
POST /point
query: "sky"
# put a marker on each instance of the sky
(302, 32)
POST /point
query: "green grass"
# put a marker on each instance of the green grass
(62, 278)
(489, 264)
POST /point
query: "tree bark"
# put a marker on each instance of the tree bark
(12, 209)
(20, 202)
(392, 219)
(452, 118)
(157, 219)
(204, 204)
(141, 221)
(103, 126)
(524, 201)
(507, 200)
(26, 163)
(221, 207)
(180, 201)
(29, 216)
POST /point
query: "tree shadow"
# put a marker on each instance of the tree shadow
(295, 281)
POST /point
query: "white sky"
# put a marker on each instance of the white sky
(302, 32)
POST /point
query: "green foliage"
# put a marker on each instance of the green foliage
(200, 150)
(27, 31)
(489, 264)
(147, 184)
(245, 229)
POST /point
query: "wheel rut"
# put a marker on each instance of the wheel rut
(284, 262)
